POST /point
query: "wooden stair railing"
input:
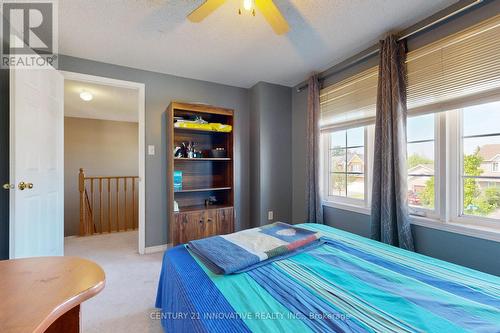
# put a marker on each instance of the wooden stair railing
(89, 216)
(107, 203)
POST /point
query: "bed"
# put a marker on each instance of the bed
(349, 284)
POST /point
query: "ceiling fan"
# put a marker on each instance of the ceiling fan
(267, 7)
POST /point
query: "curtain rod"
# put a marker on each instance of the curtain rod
(429, 22)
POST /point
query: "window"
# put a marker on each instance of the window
(453, 162)
(453, 132)
(347, 166)
(420, 162)
(347, 112)
(480, 142)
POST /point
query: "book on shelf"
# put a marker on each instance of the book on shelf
(177, 180)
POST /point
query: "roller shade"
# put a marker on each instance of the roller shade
(351, 102)
(458, 70)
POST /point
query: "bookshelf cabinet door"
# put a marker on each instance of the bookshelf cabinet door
(225, 221)
(210, 223)
(189, 226)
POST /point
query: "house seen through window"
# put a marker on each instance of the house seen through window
(480, 176)
(347, 163)
(420, 162)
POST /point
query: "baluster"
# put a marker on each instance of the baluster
(125, 201)
(109, 205)
(81, 189)
(92, 210)
(117, 204)
(87, 209)
(133, 204)
(89, 212)
(100, 205)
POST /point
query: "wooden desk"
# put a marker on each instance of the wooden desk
(44, 294)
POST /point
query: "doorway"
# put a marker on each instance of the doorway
(104, 156)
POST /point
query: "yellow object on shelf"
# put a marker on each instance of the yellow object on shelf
(216, 127)
(203, 127)
(221, 127)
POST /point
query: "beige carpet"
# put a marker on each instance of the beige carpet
(128, 298)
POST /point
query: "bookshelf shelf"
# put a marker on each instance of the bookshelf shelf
(186, 129)
(208, 189)
(201, 159)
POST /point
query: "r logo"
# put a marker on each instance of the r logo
(28, 25)
(29, 34)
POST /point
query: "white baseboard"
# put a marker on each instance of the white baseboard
(157, 248)
(70, 237)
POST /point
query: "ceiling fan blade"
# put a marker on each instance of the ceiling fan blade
(204, 10)
(273, 15)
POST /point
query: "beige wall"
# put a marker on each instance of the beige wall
(101, 148)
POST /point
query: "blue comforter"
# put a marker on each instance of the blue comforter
(348, 284)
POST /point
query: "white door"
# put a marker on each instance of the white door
(36, 162)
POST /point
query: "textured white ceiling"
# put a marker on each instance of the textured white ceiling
(227, 48)
(109, 103)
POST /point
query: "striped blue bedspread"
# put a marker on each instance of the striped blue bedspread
(349, 284)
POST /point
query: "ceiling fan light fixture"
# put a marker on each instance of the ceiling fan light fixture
(267, 8)
(248, 5)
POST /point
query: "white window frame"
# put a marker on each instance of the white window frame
(448, 153)
(438, 149)
(356, 205)
(456, 194)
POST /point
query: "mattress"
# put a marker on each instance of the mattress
(349, 284)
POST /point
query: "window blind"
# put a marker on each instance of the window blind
(351, 102)
(456, 71)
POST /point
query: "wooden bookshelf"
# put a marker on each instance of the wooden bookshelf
(201, 177)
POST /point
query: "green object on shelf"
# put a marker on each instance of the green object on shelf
(177, 181)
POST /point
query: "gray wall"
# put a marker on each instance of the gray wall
(4, 163)
(101, 148)
(271, 154)
(464, 250)
(255, 202)
(161, 89)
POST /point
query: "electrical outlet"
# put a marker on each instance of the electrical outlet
(270, 215)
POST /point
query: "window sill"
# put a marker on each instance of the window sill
(458, 228)
(345, 206)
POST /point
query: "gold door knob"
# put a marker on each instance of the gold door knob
(7, 186)
(22, 186)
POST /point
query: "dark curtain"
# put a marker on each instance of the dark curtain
(314, 209)
(389, 219)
